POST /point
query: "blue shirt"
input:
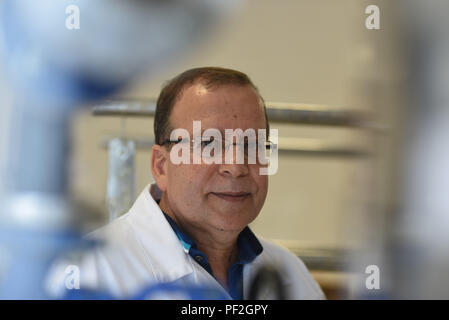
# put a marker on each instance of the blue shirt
(248, 249)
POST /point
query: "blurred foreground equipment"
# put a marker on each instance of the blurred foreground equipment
(53, 69)
(412, 247)
(419, 236)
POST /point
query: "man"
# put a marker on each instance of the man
(191, 227)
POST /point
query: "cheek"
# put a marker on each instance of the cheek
(185, 184)
(262, 183)
(180, 180)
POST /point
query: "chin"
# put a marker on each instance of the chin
(231, 222)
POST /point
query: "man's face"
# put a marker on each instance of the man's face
(224, 197)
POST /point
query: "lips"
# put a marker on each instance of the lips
(232, 196)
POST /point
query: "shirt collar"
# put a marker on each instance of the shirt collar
(249, 246)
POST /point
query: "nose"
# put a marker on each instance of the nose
(233, 170)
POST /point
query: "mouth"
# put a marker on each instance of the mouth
(232, 196)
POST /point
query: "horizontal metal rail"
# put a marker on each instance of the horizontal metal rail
(276, 111)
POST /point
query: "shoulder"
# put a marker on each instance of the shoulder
(296, 276)
(275, 252)
(116, 231)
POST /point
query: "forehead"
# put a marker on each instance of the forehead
(224, 107)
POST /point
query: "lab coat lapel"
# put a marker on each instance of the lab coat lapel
(164, 252)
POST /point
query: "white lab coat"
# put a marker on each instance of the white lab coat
(141, 248)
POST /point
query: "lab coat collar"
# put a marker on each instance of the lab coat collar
(155, 234)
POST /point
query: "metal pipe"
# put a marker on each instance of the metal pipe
(276, 111)
(121, 183)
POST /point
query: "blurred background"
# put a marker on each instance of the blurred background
(338, 186)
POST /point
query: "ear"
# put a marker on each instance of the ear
(159, 166)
